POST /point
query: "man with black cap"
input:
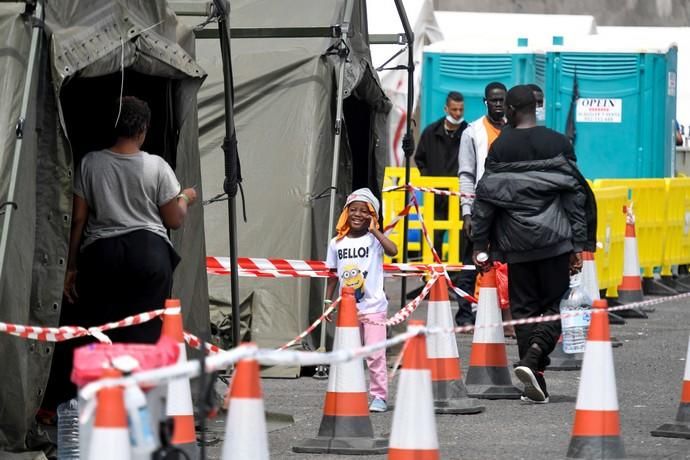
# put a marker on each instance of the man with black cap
(474, 146)
(535, 211)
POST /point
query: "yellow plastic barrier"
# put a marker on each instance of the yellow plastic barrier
(677, 243)
(649, 205)
(610, 236)
(394, 202)
(452, 224)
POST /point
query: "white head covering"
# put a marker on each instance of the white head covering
(364, 194)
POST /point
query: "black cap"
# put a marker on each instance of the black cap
(520, 96)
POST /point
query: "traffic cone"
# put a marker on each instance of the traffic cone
(110, 434)
(680, 429)
(450, 394)
(345, 427)
(630, 289)
(245, 428)
(488, 376)
(178, 405)
(413, 434)
(596, 430)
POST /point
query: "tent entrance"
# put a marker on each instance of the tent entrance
(90, 109)
(357, 114)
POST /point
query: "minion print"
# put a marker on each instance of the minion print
(354, 278)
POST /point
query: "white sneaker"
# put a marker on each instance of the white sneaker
(378, 405)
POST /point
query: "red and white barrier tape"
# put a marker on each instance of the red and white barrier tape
(435, 191)
(221, 266)
(223, 359)
(313, 326)
(408, 309)
(62, 333)
(470, 298)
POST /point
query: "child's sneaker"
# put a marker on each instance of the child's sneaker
(378, 405)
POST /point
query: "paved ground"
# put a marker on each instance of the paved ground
(649, 372)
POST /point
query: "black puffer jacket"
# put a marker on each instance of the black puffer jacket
(533, 210)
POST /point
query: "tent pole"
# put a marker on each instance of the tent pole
(343, 52)
(231, 161)
(9, 203)
(408, 139)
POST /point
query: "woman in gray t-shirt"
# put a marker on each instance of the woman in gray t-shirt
(121, 260)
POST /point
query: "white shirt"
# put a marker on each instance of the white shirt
(359, 262)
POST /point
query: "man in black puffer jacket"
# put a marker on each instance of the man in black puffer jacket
(535, 211)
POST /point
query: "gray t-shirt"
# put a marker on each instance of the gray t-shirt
(124, 192)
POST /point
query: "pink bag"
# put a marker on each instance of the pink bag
(90, 359)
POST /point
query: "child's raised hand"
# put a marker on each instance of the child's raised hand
(372, 223)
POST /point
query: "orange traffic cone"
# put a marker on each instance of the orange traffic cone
(488, 376)
(680, 429)
(630, 289)
(345, 427)
(450, 394)
(413, 434)
(179, 398)
(245, 428)
(110, 435)
(596, 430)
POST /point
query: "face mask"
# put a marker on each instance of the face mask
(541, 114)
(454, 121)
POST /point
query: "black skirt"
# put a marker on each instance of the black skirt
(117, 277)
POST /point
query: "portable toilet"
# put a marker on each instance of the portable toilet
(467, 67)
(624, 114)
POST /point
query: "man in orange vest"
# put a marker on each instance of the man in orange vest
(474, 146)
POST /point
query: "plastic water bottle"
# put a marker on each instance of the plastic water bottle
(68, 430)
(575, 327)
(142, 439)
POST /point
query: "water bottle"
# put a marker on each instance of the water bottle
(575, 327)
(141, 434)
(68, 430)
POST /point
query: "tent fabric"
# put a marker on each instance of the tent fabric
(285, 101)
(82, 39)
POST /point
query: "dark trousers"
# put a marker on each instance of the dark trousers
(535, 289)
(117, 277)
(465, 280)
(440, 213)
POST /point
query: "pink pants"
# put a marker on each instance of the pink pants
(378, 372)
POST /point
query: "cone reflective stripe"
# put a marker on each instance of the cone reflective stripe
(450, 394)
(630, 289)
(488, 375)
(596, 430)
(681, 427)
(345, 427)
(110, 435)
(413, 433)
(245, 428)
(590, 282)
(179, 397)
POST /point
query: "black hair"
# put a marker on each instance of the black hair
(534, 87)
(521, 98)
(135, 116)
(454, 96)
(492, 86)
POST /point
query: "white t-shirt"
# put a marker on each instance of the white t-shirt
(359, 262)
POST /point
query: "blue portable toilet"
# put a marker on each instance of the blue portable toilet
(468, 67)
(625, 114)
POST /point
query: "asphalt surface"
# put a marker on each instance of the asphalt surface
(649, 372)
